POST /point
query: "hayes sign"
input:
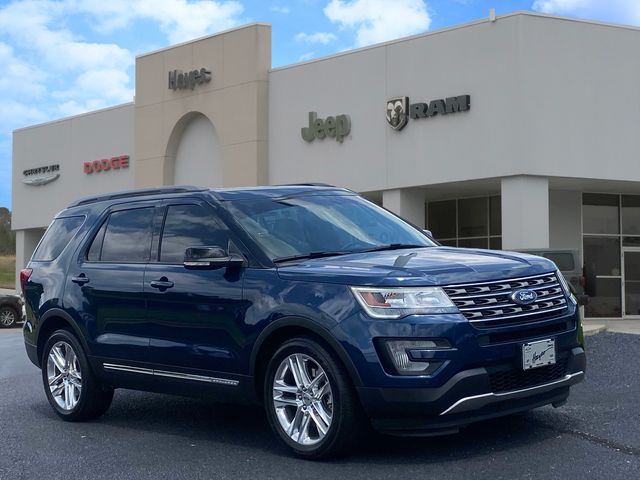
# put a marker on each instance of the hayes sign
(179, 80)
(399, 110)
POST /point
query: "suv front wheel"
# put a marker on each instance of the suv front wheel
(310, 402)
(71, 387)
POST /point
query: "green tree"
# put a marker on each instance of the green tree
(7, 237)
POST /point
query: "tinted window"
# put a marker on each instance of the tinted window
(322, 223)
(600, 213)
(190, 226)
(564, 261)
(473, 218)
(96, 245)
(127, 237)
(442, 219)
(631, 214)
(57, 236)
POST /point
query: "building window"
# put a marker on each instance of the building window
(466, 222)
(611, 251)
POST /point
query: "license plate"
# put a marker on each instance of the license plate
(538, 354)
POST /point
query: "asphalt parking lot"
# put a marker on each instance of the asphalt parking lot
(596, 435)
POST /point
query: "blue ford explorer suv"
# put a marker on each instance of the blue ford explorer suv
(328, 310)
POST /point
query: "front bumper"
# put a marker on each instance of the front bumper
(465, 398)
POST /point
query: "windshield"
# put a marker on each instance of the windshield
(312, 225)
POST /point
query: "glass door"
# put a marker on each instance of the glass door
(631, 281)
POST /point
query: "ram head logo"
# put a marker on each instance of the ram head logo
(397, 112)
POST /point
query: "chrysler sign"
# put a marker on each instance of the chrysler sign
(41, 175)
(399, 110)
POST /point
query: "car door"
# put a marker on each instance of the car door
(105, 284)
(195, 316)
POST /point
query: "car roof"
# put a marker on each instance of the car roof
(223, 194)
(278, 191)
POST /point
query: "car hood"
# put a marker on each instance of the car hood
(417, 266)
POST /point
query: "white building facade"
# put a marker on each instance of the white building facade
(518, 133)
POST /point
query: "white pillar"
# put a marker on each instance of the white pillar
(406, 202)
(525, 212)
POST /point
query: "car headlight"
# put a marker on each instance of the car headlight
(403, 301)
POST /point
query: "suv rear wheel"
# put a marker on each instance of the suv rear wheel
(71, 387)
(310, 402)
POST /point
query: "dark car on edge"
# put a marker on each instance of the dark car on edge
(328, 310)
(11, 310)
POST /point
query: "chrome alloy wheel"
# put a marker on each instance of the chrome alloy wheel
(64, 375)
(303, 399)
(7, 317)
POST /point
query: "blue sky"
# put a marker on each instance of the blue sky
(65, 57)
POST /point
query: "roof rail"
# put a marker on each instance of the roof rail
(308, 184)
(141, 192)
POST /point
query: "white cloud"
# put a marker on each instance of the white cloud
(72, 69)
(618, 11)
(279, 9)
(323, 38)
(306, 56)
(376, 21)
(180, 20)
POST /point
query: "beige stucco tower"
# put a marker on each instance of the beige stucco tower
(233, 102)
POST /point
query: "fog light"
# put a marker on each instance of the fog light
(404, 362)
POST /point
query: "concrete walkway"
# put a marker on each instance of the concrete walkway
(616, 326)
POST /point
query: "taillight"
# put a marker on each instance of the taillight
(25, 273)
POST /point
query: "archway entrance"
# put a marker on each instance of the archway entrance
(198, 155)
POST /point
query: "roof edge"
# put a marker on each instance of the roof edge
(204, 37)
(73, 117)
(471, 23)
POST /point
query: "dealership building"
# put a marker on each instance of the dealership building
(517, 132)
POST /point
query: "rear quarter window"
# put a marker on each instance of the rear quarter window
(57, 236)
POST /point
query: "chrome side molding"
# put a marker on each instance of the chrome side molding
(168, 374)
(479, 401)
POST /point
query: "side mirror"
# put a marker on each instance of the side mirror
(428, 233)
(211, 258)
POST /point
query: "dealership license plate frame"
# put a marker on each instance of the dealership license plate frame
(538, 354)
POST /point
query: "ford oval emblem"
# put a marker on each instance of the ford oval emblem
(524, 297)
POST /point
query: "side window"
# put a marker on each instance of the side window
(57, 236)
(190, 226)
(96, 246)
(125, 237)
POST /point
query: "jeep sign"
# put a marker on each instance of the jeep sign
(336, 127)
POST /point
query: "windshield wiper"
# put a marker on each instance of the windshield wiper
(391, 246)
(305, 256)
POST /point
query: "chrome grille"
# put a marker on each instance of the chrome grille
(488, 304)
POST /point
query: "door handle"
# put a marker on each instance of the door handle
(80, 279)
(161, 284)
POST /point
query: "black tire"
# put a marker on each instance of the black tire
(94, 398)
(10, 316)
(348, 422)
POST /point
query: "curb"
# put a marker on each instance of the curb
(589, 330)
